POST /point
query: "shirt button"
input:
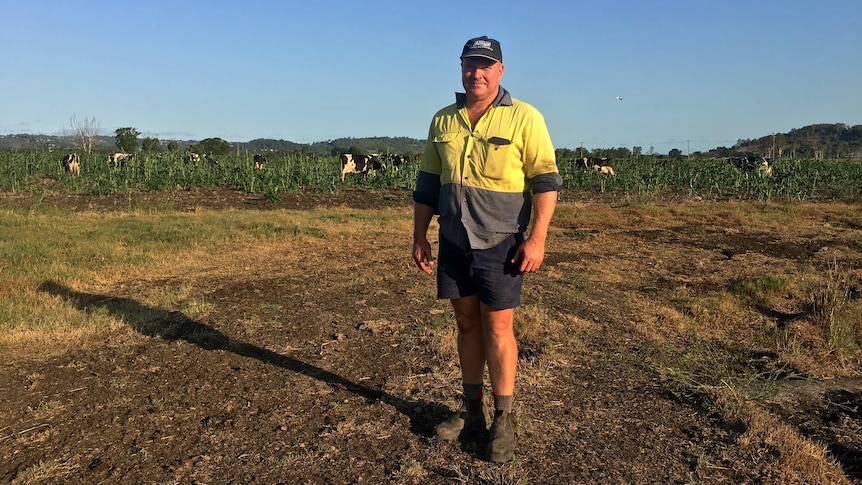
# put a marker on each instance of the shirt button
(464, 220)
(464, 199)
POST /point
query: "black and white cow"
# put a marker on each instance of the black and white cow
(604, 169)
(259, 161)
(591, 162)
(396, 161)
(358, 164)
(750, 163)
(118, 159)
(72, 164)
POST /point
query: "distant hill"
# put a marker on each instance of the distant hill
(57, 142)
(362, 146)
(820, 141)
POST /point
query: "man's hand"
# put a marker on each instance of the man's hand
(529, 256)
(531, 253)
(422, 256)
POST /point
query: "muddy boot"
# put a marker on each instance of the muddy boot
(469, 418)
(501, 443)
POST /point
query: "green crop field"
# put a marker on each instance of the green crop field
(40, 171)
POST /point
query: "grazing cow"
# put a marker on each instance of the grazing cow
(604, 169)
(765, 167)
(72, 164)
(587, 162)
(592, 162)
(118, 159)
(193, 157)
(746, 163)
(742, 163)
(259, 161)
(358, 164)
(397, 160)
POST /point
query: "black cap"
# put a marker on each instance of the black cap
(483, 47)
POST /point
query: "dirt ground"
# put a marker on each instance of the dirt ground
(298, 376)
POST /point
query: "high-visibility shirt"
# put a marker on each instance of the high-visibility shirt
(480, 180)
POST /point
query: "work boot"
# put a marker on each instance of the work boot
(501, 443)
(469, 418)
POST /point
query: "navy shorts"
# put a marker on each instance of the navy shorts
(487, 273)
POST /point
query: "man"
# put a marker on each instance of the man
(488, 169)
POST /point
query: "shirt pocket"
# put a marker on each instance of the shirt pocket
(502, 160)
(447, 147)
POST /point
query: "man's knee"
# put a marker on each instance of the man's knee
(467, 314)
(498, 321)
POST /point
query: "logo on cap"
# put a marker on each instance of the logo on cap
(482, 44)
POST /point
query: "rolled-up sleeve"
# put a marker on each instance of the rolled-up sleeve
(427, 190)
(546, 182)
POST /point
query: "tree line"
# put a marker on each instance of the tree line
(835, 141)
(818, 142)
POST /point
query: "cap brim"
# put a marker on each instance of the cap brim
(481, 56)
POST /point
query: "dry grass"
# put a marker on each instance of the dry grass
(800, 461)
(833, 310)
(698, 285)
(44, 472)
(165, 253)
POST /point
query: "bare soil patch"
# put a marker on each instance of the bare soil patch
(313, 367)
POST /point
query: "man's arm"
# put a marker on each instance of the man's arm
(422, 255)
(532, 252)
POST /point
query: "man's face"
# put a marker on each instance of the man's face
(481, 77)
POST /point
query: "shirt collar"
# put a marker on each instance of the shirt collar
(503, 99)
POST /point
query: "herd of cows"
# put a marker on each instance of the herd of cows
(350, 164)
(72, 162)
(760, 165)
(368, 164)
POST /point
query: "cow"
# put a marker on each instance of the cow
(764, 169)
(193, 157)
(358, 164)
(742, 163)
(604, 169)
(591, 162)
(750, 163)
(397, 160)
(259, 161)
(72, 164)
(118, 159)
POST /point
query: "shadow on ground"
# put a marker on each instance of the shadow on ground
(172, 325)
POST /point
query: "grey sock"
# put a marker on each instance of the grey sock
(503, 404)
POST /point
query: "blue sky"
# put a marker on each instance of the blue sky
(693, 75)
